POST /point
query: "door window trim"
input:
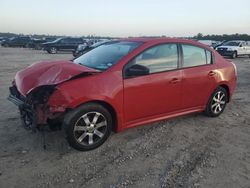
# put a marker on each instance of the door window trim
(130, 61)
(205, 49)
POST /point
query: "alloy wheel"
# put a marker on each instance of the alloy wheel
(218, 102)
(53, 50)
(90, 128)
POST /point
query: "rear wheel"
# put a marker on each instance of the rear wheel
(88, 126)
(217, 102)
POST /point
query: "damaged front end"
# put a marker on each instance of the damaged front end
(34, 109)
(35, 91)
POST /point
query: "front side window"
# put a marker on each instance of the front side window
(106, 55)
(195, 56)
(159, 58)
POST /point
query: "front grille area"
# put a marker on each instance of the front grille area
(222, 49)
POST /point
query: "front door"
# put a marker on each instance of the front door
(157, 93)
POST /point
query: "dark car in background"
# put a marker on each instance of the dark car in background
(2, 39)
(20, 41)
(84, 48)
(62, 44)
(37, 44)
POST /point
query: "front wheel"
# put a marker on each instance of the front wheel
(88, 126)
(234, 55)
(217, 102)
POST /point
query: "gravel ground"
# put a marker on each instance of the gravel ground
(189, 151)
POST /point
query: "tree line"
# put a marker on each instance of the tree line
(223, 37)
(199, 36)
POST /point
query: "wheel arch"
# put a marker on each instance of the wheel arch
(227, 89)
(109, 107)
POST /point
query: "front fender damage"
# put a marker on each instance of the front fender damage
(43, 105)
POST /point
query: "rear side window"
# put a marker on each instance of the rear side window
(195, 56)
(159, 58)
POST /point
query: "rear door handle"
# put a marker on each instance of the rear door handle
(211, 73)
(175, 80)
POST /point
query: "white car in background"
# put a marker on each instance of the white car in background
(234, 48)
(211, 43)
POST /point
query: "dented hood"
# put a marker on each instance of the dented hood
(48, 73)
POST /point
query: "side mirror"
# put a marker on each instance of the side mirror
(241, 45)
(137, 70)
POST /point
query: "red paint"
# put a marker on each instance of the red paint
(137, 100)
(47, 73)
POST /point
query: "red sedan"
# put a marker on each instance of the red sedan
(123, 84)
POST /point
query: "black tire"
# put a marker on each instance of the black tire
(212, 105)
(80, 139)
(52, 50)
(234, 55)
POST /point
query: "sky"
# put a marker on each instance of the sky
(123, 18)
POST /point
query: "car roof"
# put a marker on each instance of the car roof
(165, 39)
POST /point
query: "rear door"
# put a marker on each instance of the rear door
(156, 93)
(65, 44)
(199, 76)
(248, 47)
(241, 49)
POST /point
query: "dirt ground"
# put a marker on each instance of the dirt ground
(190, 151)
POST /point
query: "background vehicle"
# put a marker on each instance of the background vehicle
(20, 41)
(123, 84)
(37, 43)
(210, 43)
(234, 48)
(62, 44)
(84, 48)
(2, 39)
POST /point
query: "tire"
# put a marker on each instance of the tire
(234, 55)
(217, 102)
(52, 50)
(88, 126)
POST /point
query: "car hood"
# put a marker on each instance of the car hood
(48, 73)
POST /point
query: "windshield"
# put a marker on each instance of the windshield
(231, 43)
(106, 55)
